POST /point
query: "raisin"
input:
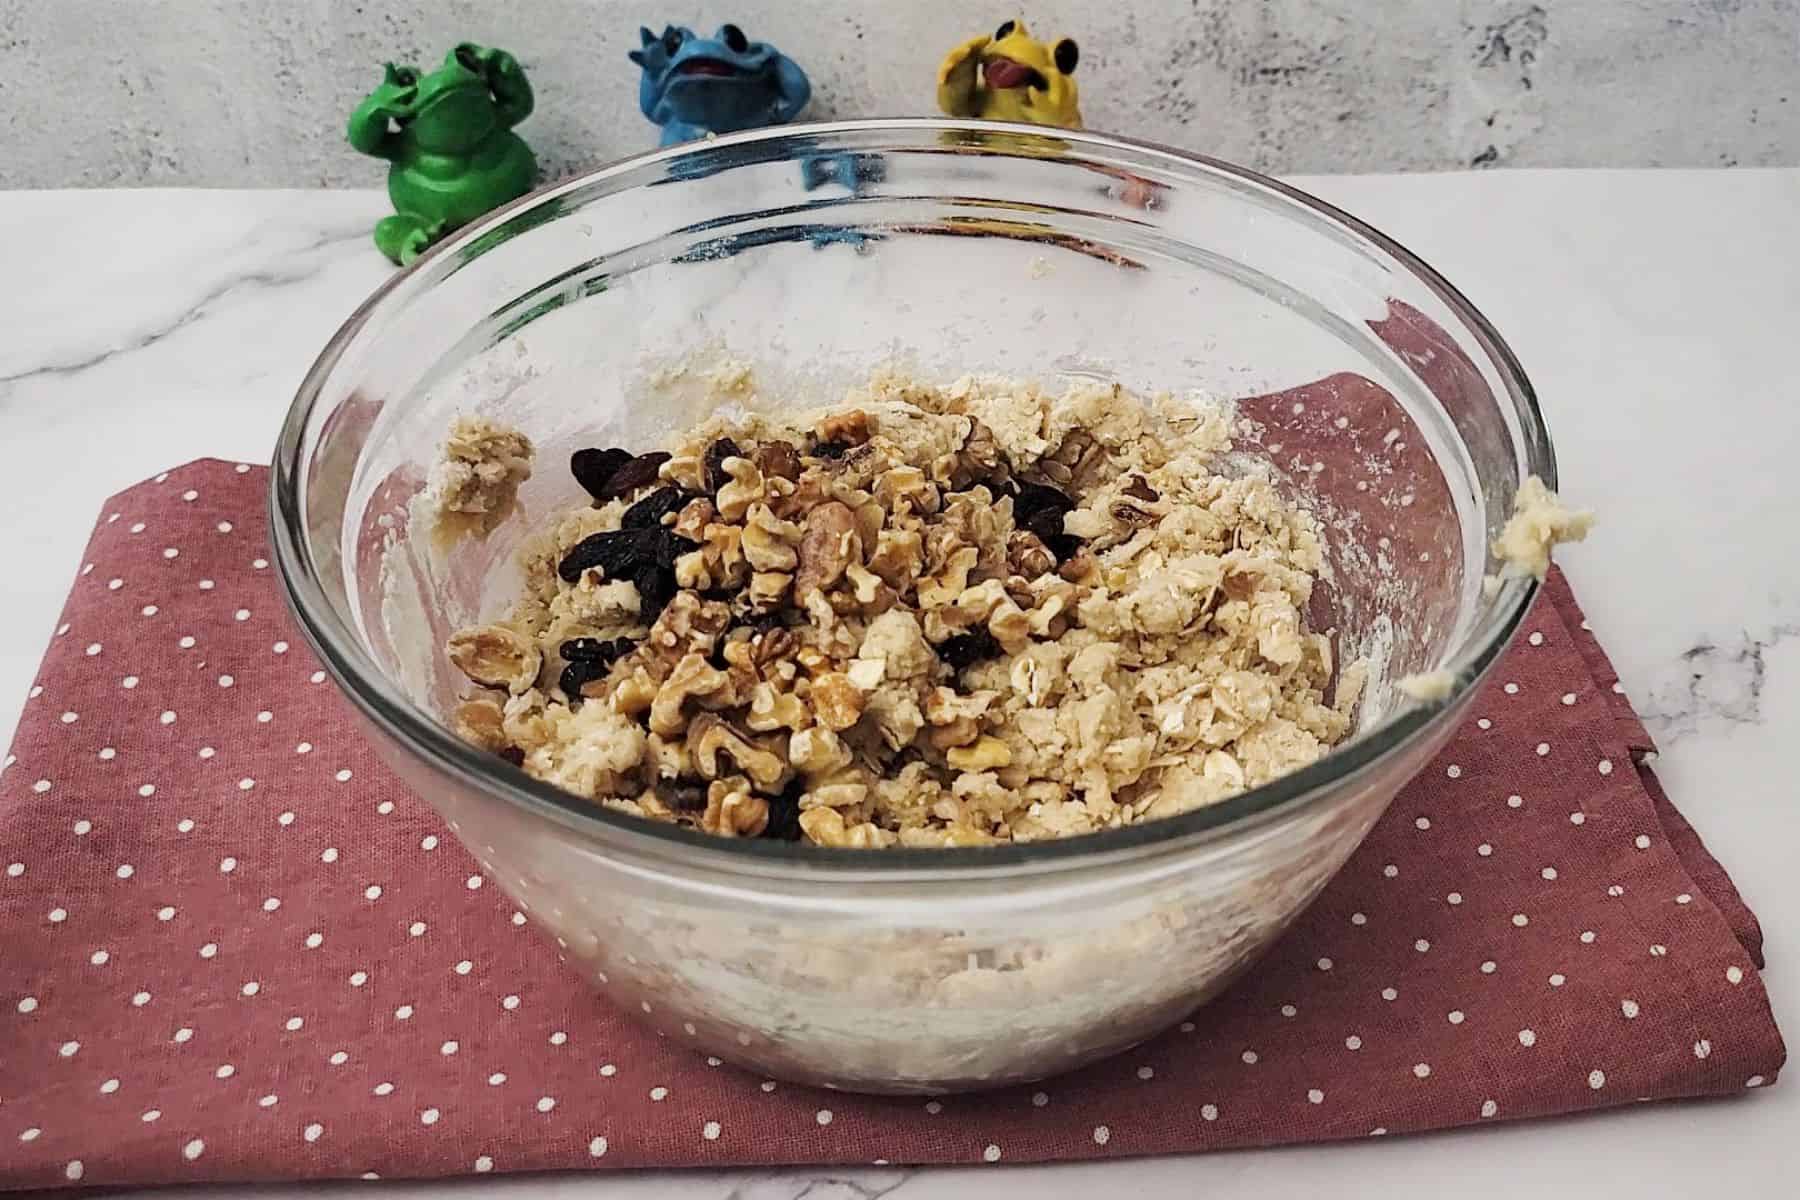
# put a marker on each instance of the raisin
(616, 552)
(683, 797)
(667, 547)
(1035, 498)
(592, 468)
(784, 814)
(593, 650)
(639, 472)
(831, 449)
(1047, 524)
(714, 462)
(649, 512)
(577, 673)
(967, 649)
(656, 587)
(1140, 488)
(513, 755)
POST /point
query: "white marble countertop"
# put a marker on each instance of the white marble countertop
(1657, 313)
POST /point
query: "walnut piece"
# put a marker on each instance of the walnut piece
(495, 656)
(825, 547)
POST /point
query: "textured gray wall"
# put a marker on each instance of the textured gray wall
(249, 92)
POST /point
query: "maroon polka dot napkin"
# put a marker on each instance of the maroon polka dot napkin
(233, 948)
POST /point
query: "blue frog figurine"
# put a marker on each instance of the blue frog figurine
(693, 86)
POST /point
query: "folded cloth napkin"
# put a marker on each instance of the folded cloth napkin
(235, 948)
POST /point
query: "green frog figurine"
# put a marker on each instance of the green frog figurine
(449, 137)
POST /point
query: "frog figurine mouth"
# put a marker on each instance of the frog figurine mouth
(711, 67)
(999, 71)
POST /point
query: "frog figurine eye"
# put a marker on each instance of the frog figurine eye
(1067, 54)
(671, 40)
(734, 39)
(1005, 30)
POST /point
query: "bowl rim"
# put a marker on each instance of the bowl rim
(422, 736)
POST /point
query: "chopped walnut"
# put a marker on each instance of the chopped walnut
(825, 547)
(495, 656)
(732, 810)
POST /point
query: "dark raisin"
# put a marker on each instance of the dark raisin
(593, 650)
(714, 462)
(639, 472)
(967, 649)
(1035, 498)
(668, 547)
(656, 587)
(649, 512)
(592, 468)
(616, 552)
(831, 449)
(784, 814)
(513, 755)
(683, 797)
(577, 673)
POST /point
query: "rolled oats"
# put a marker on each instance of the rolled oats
(930, 617)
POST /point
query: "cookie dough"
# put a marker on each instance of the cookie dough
(476, 483)
(929, 616)
(1539, 521)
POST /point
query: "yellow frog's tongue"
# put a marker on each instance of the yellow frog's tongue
(1003, 72)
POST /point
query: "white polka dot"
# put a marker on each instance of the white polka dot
(1453, 898)
(1422, 1070)
(1249, 1057)
(329, 854)
(343, 776)
(429, 843)
(227, 865)
(1353, 1042)
(28, 1004)
(518, 918)
(1388, 993)
(546, 1103)
(58, 915)
(316, 677)
(1641, 841)
(1515, 802)
(1422, 822)
(312, 1132)
(225, 1071)
(69, 718)
(1146, 1073)
(226, 681)
(83, 827)
(1543, 749)
(245, 784)
(259, 564)
(1315, 1096)
(484, 1164)
(358, 978)
(99, 958)
(186, 643)
(1703, 1048)
(1421, 945)
(1357, 918)
(286, 818)
(242, 468)
(1684, 898)
(1658, 950)
(139, 999)
(194, 1149)
(509, 1003)
(1520, 920)
(558, 1038)
(372, 892)
(1489, 1108)
(429, 1116)
(1755, 1081)
(68, 1049)
(338, 1058)
(403, 1012)
(250, 988)
(190, 494)
(147, 790)
(1102, 1135)
(167, 716)
(497, 1078)
(270, 1100)
(242, 614)
(385, 807)
(150, 1115)
(30, 1135)
(1324, 964)
(464, 967)
(206, 585)
(303, 748)
(1596, 1079)
(1453, 771)
(108, 1087)
(74, 1169)
(991, 1154)
(271, 904)
(823, 1116)
(1390, 871)
(1209, 1112)
(1587, 937)
(473, 882)
(417, 929)
(448, 1048)
(314, 940)
(1548, 872)
(114, 584)
(710, 1131)
(182, 1035)
(41, 786)
(14, 870)
(107, 753)
(1734, 975)
(1485, 850)
(597, 1147)
(264, 717)
(1527, 1037)
(1455, 1016)
(1040, 1099)
(295, 1024)
(1511, 689)
(1484, 723)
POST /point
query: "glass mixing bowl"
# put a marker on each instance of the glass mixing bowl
(614, 309)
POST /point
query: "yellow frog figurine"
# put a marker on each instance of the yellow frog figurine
(1011, 76)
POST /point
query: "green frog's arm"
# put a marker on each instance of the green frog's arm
(368, 131)
(506, 81)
